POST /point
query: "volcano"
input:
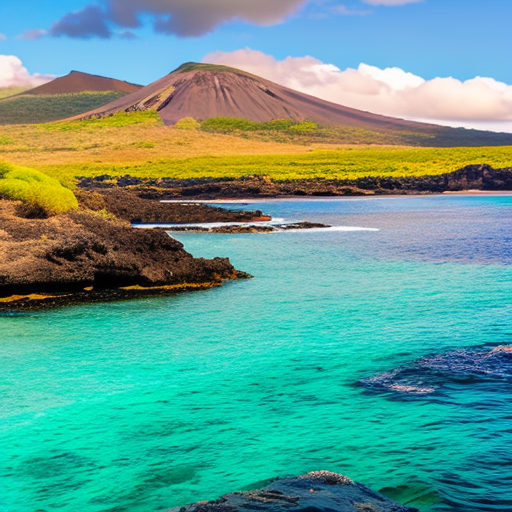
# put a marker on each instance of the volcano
(203, 91)
(77, 82)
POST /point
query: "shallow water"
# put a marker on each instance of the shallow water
(143, 405)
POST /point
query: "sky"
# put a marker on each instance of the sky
(445, 61)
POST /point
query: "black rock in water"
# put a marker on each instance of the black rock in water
(431, 373)
(319, 491)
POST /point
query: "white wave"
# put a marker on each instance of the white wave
(276, 223)
(331, 229)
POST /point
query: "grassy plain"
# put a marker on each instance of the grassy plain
(139, 145)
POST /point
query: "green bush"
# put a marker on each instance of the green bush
(187, 123)
(305, 127)
(114, 120)
(228, 125)
(235, 124)
(35, 188)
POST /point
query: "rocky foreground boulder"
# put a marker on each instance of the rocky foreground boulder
(319, 491)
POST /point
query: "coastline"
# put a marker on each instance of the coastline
(469, 178)
(43, 301)
(94, 256)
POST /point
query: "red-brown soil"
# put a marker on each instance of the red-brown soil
(77, 82)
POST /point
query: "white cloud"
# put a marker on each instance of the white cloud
(3, 37)
(14, 74)
(482, 103)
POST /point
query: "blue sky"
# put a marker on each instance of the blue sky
(428, 38)
(460, 38)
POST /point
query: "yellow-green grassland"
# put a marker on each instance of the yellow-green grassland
(140, 145)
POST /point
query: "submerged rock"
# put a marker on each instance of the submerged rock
(319, 491)
(431, 373)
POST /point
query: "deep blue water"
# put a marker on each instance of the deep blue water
(143, 405)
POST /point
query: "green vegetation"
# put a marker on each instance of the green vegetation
(344, 163)
(5, 92)
(36, 189)
(116, 120)
(187, 123)
(233, 125)
(195, 66)
(295, 132)
(27, 109)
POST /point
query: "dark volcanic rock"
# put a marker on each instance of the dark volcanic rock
(472, 177)
(432, 373)
(251, 228)
(72, 252)
(128, 205)
(320, 491)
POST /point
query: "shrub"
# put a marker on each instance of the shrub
(187, 123)
(305, 127)
(35, 189)
(228, 125)
(114, 120)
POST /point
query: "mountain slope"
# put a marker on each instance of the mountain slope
(77, 82)
(205, 91)
(63, 97)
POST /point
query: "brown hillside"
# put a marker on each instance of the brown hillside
(77, 82)
(203, 91)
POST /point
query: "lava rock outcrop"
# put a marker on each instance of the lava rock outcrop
(319, 491)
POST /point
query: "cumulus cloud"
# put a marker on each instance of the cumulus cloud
(483, 103)
(83, 24)
(184, 18)
(14, 74)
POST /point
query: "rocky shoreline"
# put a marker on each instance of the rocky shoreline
(318, 491)
(472, 177)
(95, 255)
(249, 228)
(90, 256)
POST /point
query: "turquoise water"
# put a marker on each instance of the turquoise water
(143, 405)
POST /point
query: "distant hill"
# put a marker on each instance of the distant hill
(77, 82)
(61, 98)
(205, 91)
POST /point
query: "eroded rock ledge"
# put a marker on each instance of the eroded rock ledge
(319, 491)
(89, 256)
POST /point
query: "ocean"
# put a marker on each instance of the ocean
(142, 405)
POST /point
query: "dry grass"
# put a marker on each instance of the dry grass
(151, 150)
(37, 146)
